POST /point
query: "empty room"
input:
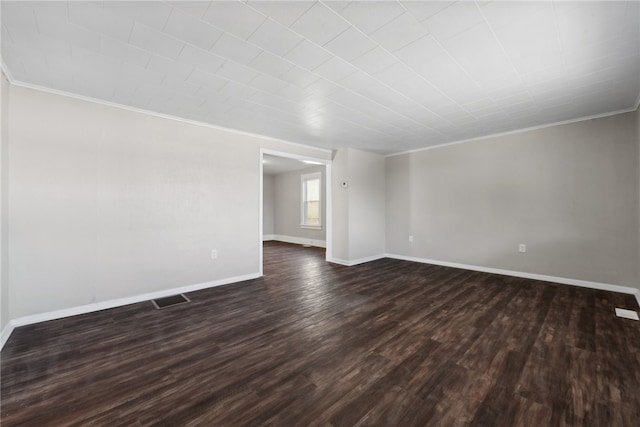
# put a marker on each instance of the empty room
(320, 213)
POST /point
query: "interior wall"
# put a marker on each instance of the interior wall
(107, 203)
(340, 220)
(638, 187)
(268, 205)
(4, 202)
(288, 200)
(367, 215)
(359, 207)
(568, 192)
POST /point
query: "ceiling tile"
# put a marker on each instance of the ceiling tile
(270, 64)
(180, 85)
(374, 60)
(275, 38)
(53, 23)
(518, 13)
(285, 12)
(195, 8)
(168, 67)
(418, 53)
(207, 80)
(155, 41)
(124, 51)
(322, 88)
(369, 16)
(151, 14)
(320, 24)
(141, 75)
(186, 27)
(479, 53)
(425, 9)
(299, 77)
(335, 69)
(22, 16)
(237, 90)
(91, 15)
(234, 17)
(338, 5)
(308, 55)
(400, 32)
(237, 72)
(350, 44)
(200, 58)
(454, 19)
(236, 49)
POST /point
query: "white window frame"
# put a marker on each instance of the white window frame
(303, 178)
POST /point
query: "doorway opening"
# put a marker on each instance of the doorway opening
(295, 201)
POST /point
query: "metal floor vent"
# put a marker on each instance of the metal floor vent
(169, 301)
(626, 314)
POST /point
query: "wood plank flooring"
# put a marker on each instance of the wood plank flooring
(389, 343)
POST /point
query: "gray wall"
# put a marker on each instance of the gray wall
(366, 205)
(638, 187)
(288, 198)
(268, 205)
(4, 202)
(106, 203)
(359, 209)
(569, 192)
(340, 219)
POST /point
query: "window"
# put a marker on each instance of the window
(311, 202)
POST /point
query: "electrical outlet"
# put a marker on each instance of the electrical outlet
(522, 248)
(410, 239)
(214, 253)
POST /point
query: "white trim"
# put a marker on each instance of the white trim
(512, 132)
(300, 240)
(6, 72)
(268, 237)
(553, 279)
(356, 261)
(638, 297)
(83, 309)
(164, 116)
(6, 333)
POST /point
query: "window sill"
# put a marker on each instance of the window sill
(311, 227)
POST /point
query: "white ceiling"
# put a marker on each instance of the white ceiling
(384, 76)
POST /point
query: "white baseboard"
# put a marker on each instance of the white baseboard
(553, 279)
(6, 333)
(83, 309)
(355, 261)
(299, 240)
(268, 237)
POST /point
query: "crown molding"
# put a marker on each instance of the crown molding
(517, 131)
(160, 115)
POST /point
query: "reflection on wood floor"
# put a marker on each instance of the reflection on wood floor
(389, 343)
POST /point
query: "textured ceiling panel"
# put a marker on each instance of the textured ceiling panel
(383, 76)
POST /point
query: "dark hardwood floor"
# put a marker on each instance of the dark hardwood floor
(389, 343)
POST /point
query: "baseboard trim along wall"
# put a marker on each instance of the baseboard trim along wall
(542, 277)
(295, 240)
(6, 333)
(355, 261)
(83, 309)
